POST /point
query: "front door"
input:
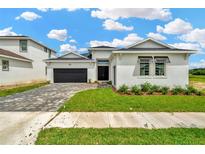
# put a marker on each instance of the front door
(103, 72)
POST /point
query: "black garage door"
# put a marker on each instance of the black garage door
(70, 75)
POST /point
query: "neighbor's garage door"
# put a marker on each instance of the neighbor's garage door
(70, 75)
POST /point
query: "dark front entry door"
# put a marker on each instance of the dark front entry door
(103, 72)
(70, 75)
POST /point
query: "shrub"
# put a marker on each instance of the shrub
(164, 90)
(123, 89)
(146, 87)
(156, 88)
(136, 90)
(187, 92)
(109, 82)
(199, 93)
(177, 90)
(150, 91)
(192, 90)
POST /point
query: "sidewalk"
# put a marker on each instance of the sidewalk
(128, 119)
(22, 127)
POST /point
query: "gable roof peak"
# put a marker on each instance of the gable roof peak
(75, 53)
(153, 40)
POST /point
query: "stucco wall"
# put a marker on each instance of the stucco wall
(91, 68)
(19, 71)
(128, 70)
(101, 54)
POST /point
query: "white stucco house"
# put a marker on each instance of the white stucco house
(145, 61)
(21, 60)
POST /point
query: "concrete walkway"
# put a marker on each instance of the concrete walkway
(128, 119)
(22, 127)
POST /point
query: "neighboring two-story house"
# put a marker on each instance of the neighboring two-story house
(145, 61)
(21, 60)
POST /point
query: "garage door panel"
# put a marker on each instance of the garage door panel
(70, 75)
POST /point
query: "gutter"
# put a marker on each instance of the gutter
(74, 61)
(144, 52)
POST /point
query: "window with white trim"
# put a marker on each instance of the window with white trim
(5, 65)
(145, 65)
(144, 69)
(159, 69)
(23, 45)
(49, 53)
(160, 65)
(45, 49)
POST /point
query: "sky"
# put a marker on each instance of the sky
(75, 29)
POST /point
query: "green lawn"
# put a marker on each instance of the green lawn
(121, 136)
(198, 78)
(105, 99)
(19, 89)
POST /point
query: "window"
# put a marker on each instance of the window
(160, 62)
(159, 69)
(103, 62)
(46, 70)
(45, 49)
(5, 65)
(144, 69)
(144, 62)
(23, 45)
(114, 75)
(49, 53)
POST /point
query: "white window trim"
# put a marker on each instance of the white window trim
(160, 76)
(145, 75)
(3, 65)
(20, 48)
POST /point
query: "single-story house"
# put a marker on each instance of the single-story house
(145, 61)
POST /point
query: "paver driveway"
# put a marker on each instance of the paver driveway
(47, 98)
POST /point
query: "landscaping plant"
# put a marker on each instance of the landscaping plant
(156, 88)
(177, 90)
(164, 90)
(123, 89)
(136, 90)
(146, 86)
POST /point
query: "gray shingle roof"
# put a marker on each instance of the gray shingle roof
(12, 54)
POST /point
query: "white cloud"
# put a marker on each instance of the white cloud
(58, 34)
(58, 9)
(178, 26)
(7, 32)
(68, 48)
(30, 16)
(200, 64)
(156, 36)
(81, 50)
(196, 35)
(43, 9)
(128, 40)
(113, 25)
(72, 9)
(187, 46)
(73, 41)
(145, 13)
